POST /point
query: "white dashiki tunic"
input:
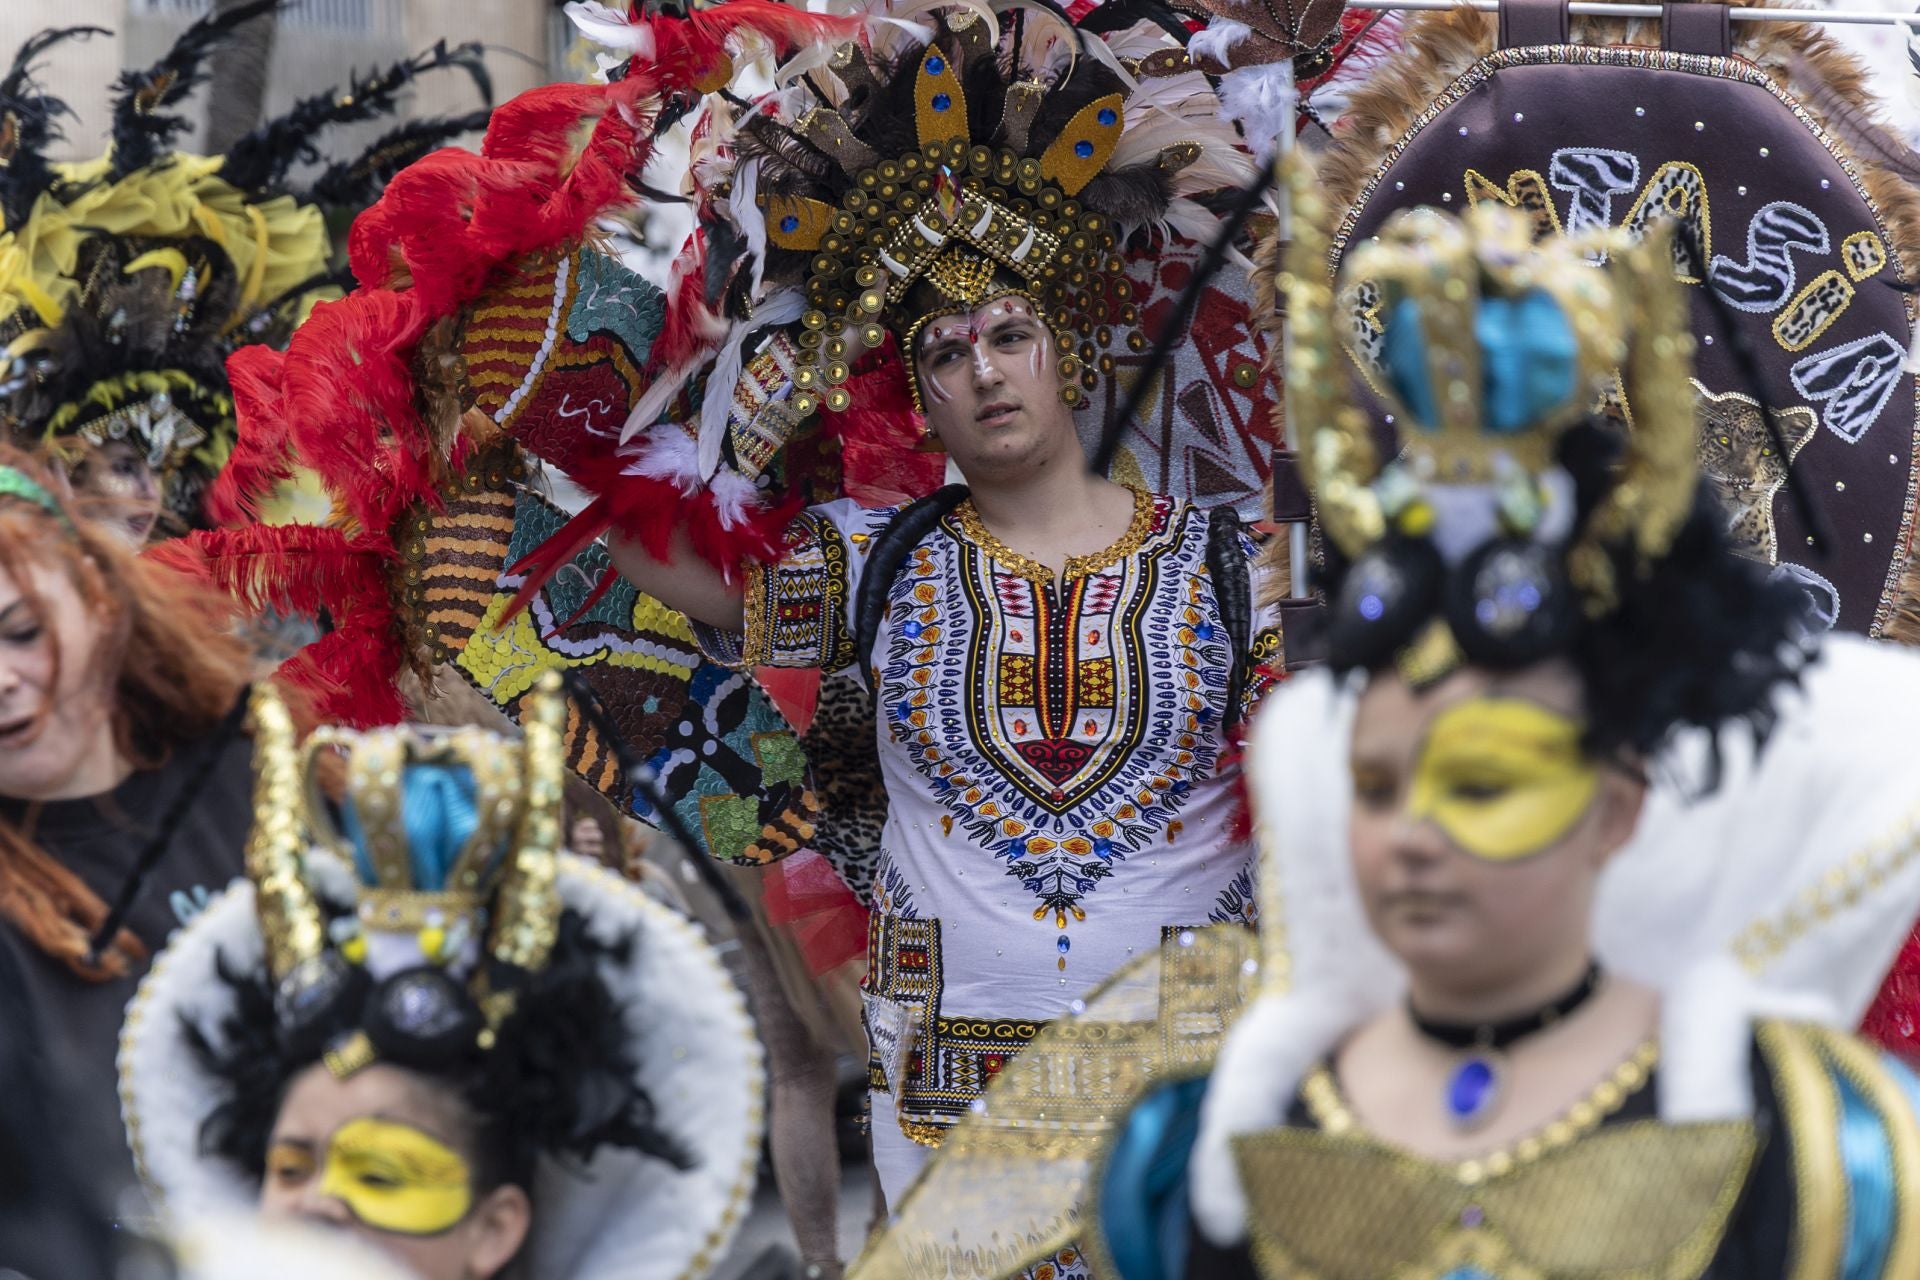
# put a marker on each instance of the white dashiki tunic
(1050, 749)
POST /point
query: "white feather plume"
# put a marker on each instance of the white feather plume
(610, 27)
(670, 455)
(1220, 38)
(1261, 100)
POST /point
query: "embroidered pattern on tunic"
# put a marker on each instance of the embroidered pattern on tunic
(1072, 729)
(1238, 903)
(796, 610)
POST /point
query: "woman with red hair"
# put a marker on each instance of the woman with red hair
(124, 785)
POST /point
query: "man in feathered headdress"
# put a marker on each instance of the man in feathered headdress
(1058, 662)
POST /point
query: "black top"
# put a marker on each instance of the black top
(72, 1026)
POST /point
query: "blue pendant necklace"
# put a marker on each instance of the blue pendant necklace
(1476, 1084)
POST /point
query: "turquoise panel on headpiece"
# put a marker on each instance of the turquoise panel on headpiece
(1866, 1153)
(438, 811)
(1529, 361)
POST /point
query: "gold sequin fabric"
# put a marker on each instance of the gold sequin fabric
(1640, 1199)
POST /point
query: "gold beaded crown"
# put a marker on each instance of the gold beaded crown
(1485, 347)
(485, 906)
(943, 182)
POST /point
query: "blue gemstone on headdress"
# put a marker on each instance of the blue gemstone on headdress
(789, 224)
(1471, 1088)
(1083, 148)
(912, 629)
(935, 65)
(1062, 944)
(941, 102)
(902, 710)
(1204, 631)
(1103, 848)
(1106, 116)
(1372, 606)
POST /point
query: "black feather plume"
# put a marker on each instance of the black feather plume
(787, 164)
(259, 161)
(28, 122)
(357, 183)
(1135, 196)
(143, 128)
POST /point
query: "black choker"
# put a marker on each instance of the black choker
(1498, 1035)
(1476, 1086)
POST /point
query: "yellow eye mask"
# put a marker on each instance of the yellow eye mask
(1502, 777)
(396, 1178)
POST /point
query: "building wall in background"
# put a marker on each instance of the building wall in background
(318, 43)
(79, 70)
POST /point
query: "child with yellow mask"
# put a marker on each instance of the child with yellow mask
(422, 1023)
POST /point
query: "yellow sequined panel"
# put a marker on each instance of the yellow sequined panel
(1083, 147)
(1635, 1201)
(1009, 1188)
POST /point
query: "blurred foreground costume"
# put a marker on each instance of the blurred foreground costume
(429, 921)
(127, 281)
(1747, 1137)
(1802, 228)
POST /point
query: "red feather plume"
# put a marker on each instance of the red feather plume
(263, 456)
(350, 673)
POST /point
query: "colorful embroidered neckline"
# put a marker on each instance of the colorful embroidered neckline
(1135, 536)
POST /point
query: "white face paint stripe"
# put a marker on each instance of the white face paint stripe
(969, 327)
(938, 332)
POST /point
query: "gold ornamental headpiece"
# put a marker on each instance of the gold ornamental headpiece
(453, 838)
(893, 226)
(1485, 348)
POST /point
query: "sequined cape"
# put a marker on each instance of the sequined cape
(1818, 1184)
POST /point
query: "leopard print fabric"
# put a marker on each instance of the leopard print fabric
(846, 770)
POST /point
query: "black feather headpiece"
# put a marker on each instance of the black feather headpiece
(138, 358)
(262, 158)
(29, 120)
(357, 183)
(143, 125)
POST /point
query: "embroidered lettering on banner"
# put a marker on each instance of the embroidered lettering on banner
(1593, 176)
(1676, 190)
(1851, 383)
(1864, 252)
(1766, 278)
(1361, 305)
(1813, 311)
(1526, 191)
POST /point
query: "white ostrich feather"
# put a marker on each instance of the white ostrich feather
(610, 27)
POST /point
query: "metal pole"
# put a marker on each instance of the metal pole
(1608, 9)
(1283, 228)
